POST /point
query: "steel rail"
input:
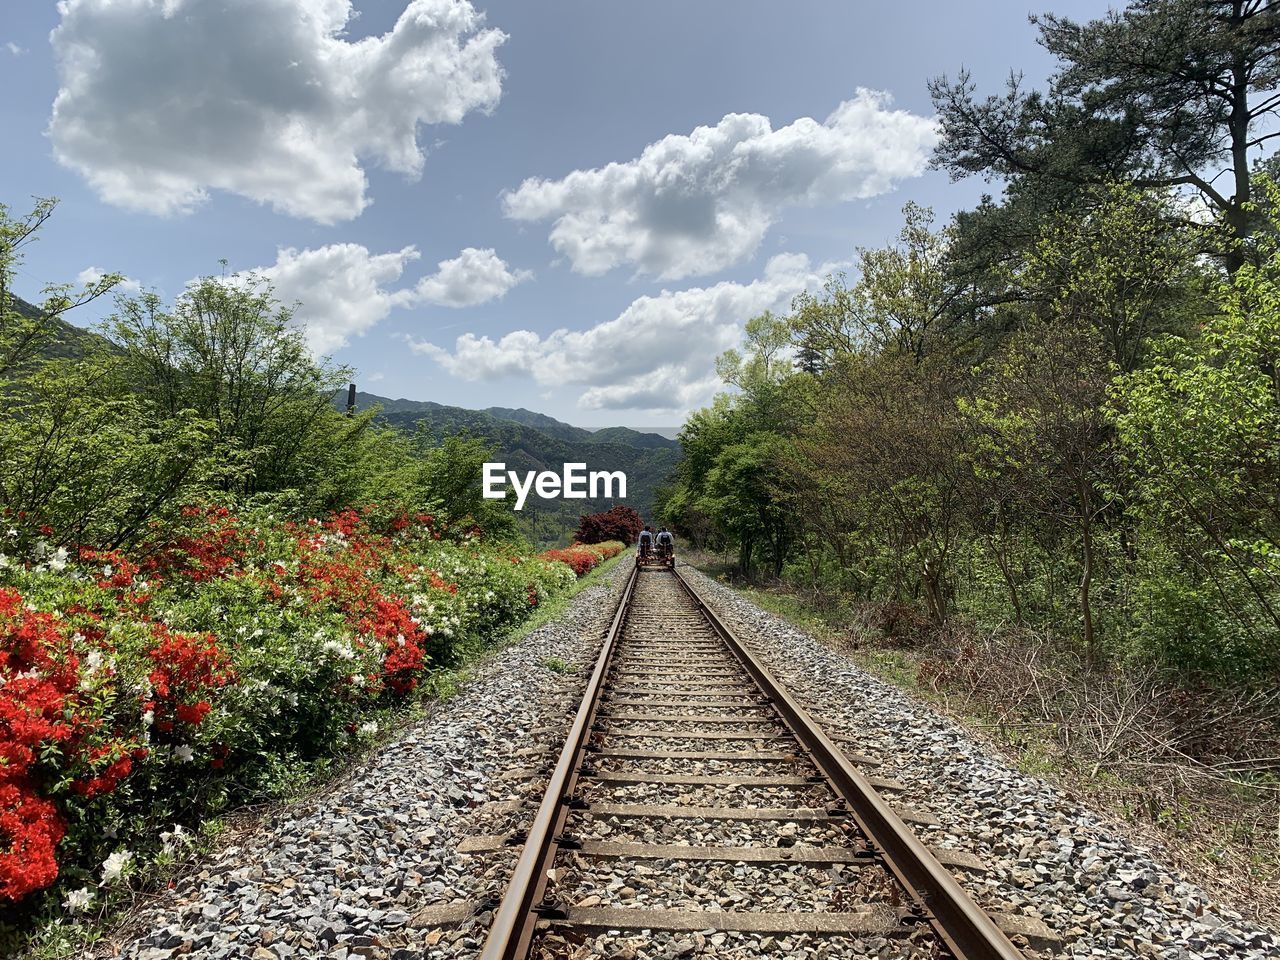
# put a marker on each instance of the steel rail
(965, 928)
(967, 932)
(512, 930)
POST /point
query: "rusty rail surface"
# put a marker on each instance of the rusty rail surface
(964, 927)
(513, 925)
(934, 895)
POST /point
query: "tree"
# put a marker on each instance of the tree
(741, 494)
(1040, 425)
(1119, 265)
(97, 466)
(1165, 93)
(620, 522)
(25, 331)
(1199, 434)
(884, 442)
(447, 480)
(229, 351)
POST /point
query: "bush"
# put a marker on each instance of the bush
(145, 690)
(619, 523)
(582, 558)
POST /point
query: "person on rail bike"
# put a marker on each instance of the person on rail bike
(666, 543)
(645, 542)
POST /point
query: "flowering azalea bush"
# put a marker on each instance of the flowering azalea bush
(141, 691)
(582, 558)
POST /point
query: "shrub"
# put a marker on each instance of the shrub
(618, 523)
(582, 558)
(146, 689)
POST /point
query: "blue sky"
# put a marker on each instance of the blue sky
(566, 206)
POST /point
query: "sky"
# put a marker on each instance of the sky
(571, 206)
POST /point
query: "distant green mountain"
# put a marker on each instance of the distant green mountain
(66, 339)
(532, 441)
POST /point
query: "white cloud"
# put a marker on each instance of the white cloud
(344, 290)
(473, 277)
(13, 48)
(657, 355)
(91, 275)
(262, 98)
(695, 204)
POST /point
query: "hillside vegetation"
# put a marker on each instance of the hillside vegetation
(531, 441)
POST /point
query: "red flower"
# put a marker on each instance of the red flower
(33, 828)
(187, 667)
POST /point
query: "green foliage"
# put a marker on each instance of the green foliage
(1199, 98)
(228, 351)
(99, 469)
(1096, 456)
(1199, 431)
(449, 475)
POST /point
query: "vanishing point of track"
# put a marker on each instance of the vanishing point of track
(671, 676)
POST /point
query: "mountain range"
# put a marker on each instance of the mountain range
(526, 440)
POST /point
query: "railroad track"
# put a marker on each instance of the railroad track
(684, 753)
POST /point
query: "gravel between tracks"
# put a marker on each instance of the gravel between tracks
(343, 873)
(1049, 857)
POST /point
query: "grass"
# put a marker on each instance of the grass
(56, 939)
(556, 665)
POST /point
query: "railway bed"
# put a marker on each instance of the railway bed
(690, 771)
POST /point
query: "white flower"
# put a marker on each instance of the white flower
(148, 718)
(94, 660)
(339, 650)
(58, 562)
(175, 838)
(114, 865)
(368, 728)
(106, 572)
(78, 901)
(183, 753)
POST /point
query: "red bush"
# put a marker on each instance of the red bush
(188, 668)
(30, 829)
(619, 523)
(581, 560)
(43, 714)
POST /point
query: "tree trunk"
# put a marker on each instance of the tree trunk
(1086, 576)
(934, 595)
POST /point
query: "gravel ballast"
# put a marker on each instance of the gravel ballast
(1048, 857)
(362, 868)
(357, 870)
